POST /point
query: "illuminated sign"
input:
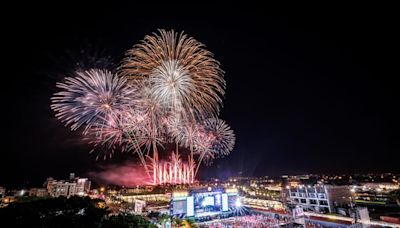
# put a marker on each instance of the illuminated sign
(225, 202)
(298, 212)
(190, 206)
(139, 205)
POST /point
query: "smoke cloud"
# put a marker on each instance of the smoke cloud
(126, 174)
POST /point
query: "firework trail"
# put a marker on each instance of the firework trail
(173, 171)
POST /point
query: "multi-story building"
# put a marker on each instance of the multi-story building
(320, 198)
(38, 192)
(74, 186)
(20, 192)
(61, 188)
(2, 192)
(374, 194)
(379, 186)
(137, 189)
(82, 186)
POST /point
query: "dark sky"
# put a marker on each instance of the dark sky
(308, 91)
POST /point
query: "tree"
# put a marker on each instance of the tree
(67, 212)
(54, 212)
(177, 222)
(190, 223)
(126, 221)
(395, 195)
(163, 218)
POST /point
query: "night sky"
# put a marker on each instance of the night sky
(306, 92)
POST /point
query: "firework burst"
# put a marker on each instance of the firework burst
(90, 96)
(221, 135)
(170, 84)
(180, 73)
(215, 140)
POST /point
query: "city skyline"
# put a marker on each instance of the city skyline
(303, 95)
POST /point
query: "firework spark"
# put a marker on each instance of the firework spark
(90, 96)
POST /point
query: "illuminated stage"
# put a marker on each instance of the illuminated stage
(206, 202)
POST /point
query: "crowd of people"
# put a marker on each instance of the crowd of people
(248, 221)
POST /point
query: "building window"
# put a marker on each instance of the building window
(323, 202)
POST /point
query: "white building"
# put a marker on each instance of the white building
(76, 186)
(320, 198)
(82, 186)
